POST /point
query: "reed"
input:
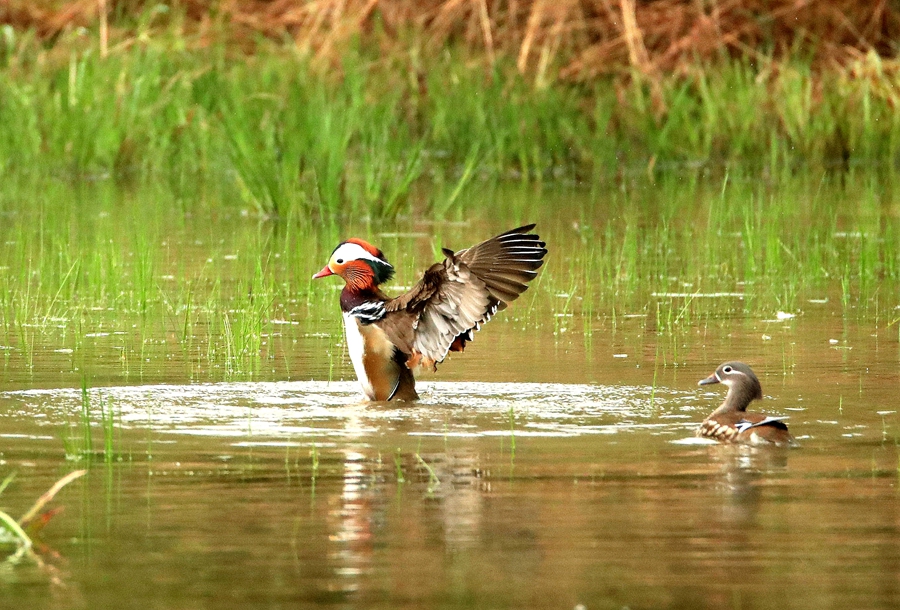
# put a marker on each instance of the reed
(512, 431)
(569, 39)
(433, 480)
(21, 531)
(78, 438)
(398, 467)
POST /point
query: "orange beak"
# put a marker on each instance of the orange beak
(325, 272)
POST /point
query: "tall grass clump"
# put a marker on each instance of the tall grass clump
(276, 128)
(78, 437)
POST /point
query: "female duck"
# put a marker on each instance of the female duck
(731, 422)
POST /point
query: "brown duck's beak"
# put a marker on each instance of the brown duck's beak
(325, 272)
(711, 379)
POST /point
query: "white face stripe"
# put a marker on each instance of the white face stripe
(729, 375)
(351, 252)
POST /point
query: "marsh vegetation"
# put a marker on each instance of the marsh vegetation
(713, 182)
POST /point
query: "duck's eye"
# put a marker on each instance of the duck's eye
(340, 261)
(727, 369)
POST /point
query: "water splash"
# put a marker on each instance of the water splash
(273, 411)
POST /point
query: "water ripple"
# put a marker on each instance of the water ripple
(316, 408)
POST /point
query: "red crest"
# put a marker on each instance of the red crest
(366, 246)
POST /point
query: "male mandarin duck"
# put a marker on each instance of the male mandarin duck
(731, 422)
(389, 337)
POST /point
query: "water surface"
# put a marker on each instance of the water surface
(552, 465)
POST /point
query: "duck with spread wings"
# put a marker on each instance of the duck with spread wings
(387, 338)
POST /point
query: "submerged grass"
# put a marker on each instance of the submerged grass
(433, 480)
(78, 438)
(20, 531)
(225, 296)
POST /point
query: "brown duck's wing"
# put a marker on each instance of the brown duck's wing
(764, 428)
(401, 319)
(749, 419)
(720, 427)
(737, 427)
(455, 297)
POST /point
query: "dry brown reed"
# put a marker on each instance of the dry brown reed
(568, 39)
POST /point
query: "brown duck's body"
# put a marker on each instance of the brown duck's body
(748, 427)
(731, 422)
(387, 338)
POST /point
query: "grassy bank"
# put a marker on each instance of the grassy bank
(277, 133)
(138, 164)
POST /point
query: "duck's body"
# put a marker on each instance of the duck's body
(731, 422)
(749, 428)
(389, 337)
(381, 370)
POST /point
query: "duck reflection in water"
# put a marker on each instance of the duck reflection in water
(750, 444)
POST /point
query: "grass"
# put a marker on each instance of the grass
(274, 135)
(220, 295)
(433, 480)
(398, 467)
(20, 531)
(78, 438)
(512, 431)
(164, 205)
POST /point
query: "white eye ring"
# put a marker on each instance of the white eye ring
(727, 369)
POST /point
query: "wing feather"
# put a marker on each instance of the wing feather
(457, 296)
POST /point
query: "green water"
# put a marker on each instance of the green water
(550, 465)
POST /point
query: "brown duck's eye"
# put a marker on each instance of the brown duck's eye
(340, 261)
(727, 369)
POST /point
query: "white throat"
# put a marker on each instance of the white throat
(356, 348)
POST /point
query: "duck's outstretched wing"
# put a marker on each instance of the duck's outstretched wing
(455, 297)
